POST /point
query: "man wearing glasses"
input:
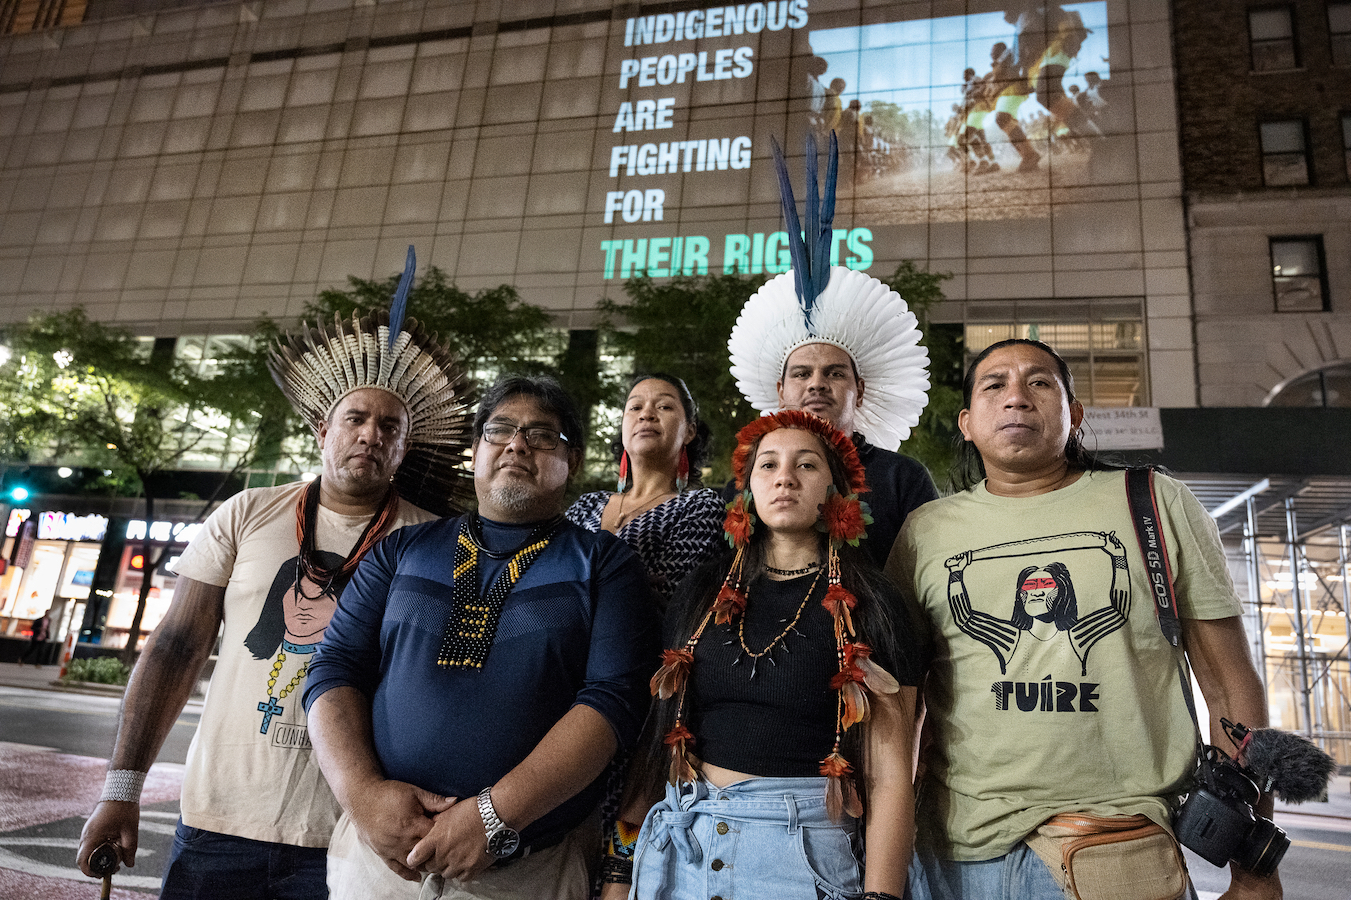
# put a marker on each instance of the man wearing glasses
(479, 674)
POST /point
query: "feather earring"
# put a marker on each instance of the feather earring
(682, 471)
(623, 484)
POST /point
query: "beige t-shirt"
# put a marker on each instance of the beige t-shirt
(251, 770)
(1038, 705)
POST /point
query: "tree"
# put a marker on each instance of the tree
(79, 390)
(492, 331)
(933, 440)
(682, 327)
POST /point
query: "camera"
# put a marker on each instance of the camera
(1217, 820)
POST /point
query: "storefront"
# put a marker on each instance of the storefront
(55, 561)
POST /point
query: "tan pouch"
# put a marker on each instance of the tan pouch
(1111, 857)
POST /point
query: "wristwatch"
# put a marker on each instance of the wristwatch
(502, 841)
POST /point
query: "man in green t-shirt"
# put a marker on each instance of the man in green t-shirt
(1052, 688)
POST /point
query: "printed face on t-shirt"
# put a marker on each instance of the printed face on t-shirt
(1038, 593)
(307, 612)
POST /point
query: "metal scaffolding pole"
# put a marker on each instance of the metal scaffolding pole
(1255, 589)
(1301, 634)
(1342, 559)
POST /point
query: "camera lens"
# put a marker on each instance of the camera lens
(1263, 848)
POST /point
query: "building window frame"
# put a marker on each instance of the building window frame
(1346, 141)
(1272, 52)
(1339, 33)
(1290, 292)
(1283, 165)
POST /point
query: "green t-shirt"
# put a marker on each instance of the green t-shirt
(1052, 688)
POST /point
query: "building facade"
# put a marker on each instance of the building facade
(185, 170)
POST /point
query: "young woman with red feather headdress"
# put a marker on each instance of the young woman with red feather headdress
(784, 709)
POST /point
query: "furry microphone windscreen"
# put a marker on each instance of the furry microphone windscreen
(1291, 766)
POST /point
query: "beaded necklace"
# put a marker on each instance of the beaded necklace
(792, 573)
(472, 624)
(331, 581)
(767, 653)
(270, 708)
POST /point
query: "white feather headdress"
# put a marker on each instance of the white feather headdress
(815, 302)
(319, 366)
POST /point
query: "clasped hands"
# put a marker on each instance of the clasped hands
(415, 831)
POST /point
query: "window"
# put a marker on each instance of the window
(1346, 141)
(1103, 342)
(1271, 33)
(1339, 33)
(1285, 158)
(1298, 276)
(1325, 387)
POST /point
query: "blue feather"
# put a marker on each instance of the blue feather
(797, 249)
(809, 292)
(821, 258)
(399, 308)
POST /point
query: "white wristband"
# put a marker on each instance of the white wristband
(123, 785)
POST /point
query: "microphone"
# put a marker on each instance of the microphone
(1290, 766)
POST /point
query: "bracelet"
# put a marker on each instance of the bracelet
(616, 870)
(623, 839)
(123, 785)
(879, 895)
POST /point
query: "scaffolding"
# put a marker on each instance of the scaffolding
(1289, 545)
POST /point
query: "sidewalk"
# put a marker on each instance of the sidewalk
(45, 678)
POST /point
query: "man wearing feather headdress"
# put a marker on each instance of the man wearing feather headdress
(844, 346)
(390, 411)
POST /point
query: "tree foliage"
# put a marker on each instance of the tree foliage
(933, 440)
(85, 392)
(682, 326)
(492, 331)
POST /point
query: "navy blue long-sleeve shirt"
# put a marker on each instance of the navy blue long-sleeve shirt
(578, 628)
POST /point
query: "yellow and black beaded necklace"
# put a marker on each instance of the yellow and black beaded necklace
(472, 625)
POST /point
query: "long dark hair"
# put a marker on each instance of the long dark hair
(969, 468)
(878, 618)
(699, 449)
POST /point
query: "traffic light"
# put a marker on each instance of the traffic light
(18, 493)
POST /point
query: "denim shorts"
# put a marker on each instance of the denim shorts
(764, 837)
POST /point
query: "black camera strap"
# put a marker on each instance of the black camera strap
(1149, 531)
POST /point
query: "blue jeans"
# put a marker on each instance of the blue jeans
(204, 865)
(1018, 875)
(762, 838)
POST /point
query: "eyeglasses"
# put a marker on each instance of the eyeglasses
(535, 438)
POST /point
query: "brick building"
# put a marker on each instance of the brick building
(1264, 112)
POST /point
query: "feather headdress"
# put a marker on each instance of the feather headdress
(319, 366)
(816, 302)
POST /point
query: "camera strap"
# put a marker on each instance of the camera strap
(1144, 509)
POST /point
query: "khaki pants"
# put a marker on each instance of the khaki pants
(560, 872)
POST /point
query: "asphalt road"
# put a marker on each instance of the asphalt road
(78, 723)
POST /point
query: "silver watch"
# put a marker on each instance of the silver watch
(502, 840)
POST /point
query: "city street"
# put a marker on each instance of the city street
(54, 745)
(53, 753)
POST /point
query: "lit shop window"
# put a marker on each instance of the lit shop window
(1271, 38)
(1285, 155)
(1298, 274)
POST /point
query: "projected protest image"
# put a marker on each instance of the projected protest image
(965, 117)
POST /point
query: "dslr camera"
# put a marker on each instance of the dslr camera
(1217, 820)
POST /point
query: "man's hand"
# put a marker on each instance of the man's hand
(1244, 885)
(456, 846)
(392, 817)
(111, 821)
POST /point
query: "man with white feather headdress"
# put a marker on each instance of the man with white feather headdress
(843, 345)
(390, 409)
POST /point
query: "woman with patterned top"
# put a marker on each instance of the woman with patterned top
(784, 742)
(661, 448)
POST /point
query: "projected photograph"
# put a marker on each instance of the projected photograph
(966, 117)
